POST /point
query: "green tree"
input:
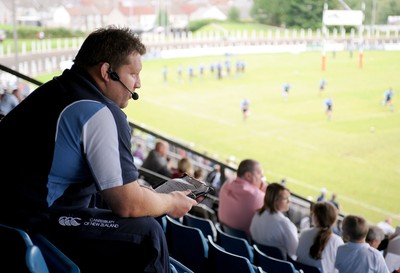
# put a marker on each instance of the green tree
(291, 13)
(386, 9)
(271, 12)
(305, 14)
(234, 14)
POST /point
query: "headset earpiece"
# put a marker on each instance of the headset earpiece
(113, 75)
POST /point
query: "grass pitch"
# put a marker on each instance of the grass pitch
(355, 154)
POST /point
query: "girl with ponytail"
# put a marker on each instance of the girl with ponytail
(318, 244)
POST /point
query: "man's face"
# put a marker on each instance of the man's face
(129, 76)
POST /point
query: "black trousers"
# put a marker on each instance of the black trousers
(99, 241)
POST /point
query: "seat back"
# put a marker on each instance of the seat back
(305, 268)
(187, 244)
(235, 232)
(271, 265)
(204, 211)
(178, 267)
(271, 251)
(233, 244)
(205, 225)
(18, 253)
(222, 261)
(55, 259)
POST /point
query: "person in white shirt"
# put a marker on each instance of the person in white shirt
(270, 226)
(375, 236)
(387, 227)
(318, 244)
(357, 256)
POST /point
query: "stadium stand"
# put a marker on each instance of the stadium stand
(56, 260)
(188, 245)
(205, 225)
(178, 267)
(222, 261)
(21, 252)
(272, 265)
(304, 267)
(233, 244)
(18, 253)
(271, 251)
(235, 232)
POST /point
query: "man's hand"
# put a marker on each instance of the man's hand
(181, 203)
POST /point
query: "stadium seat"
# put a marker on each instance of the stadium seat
(56, 261)
(272, 265)
(271, 251)
(303, 267)
(178, 267)
(233, 244)
(205, 225)
(188, 245)
(222, 261)
(235, 232)
(18, 253)
(204, 211)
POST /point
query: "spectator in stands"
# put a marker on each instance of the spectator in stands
(334, 201)
(214, 177)
(76, 124)
(138, 152)
(375, 236)
(198, 174)
(356, 256)
(157, 160)
(240, 197)
(306, 221)
(270, 226)
(394, 245)
(392, 257)
(184, 167)
(387, 227)
(322, 196)
(10, 99)
(318, 245)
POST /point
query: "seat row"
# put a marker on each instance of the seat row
(25, 253)
(35, 254)
(207, 247)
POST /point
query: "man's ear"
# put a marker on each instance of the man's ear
(104, 71)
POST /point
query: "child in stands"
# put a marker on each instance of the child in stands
(357, 256)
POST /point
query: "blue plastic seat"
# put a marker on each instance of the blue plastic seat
(178, 267)
(56, 260)
(205, 225)
(222, 261)
(272, 265)
(304, 267)
(188, 245)
(18, 253)
(235, 232)
(233, 244)
(271, 251)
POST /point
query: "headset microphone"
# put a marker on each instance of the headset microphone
(115, 77)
